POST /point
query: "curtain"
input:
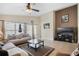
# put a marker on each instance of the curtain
(20, 28)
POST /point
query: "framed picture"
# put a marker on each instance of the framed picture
(46, 26)
(65, 18)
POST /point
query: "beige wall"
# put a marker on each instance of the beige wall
(47, 34)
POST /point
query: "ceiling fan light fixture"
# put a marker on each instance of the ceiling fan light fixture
(29, 10)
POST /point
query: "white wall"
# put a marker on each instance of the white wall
(47, 34)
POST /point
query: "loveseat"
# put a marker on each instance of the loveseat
(18, 39)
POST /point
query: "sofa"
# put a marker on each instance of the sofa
(13, 50)
(18, 39)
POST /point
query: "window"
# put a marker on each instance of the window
(13, 28)
(9, 28)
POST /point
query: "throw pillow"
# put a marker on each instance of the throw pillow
(11, 37)
(8, 45)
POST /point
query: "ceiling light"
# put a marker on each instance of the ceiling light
(29, 10)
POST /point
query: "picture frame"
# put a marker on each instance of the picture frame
(46, 26)
(65, 18)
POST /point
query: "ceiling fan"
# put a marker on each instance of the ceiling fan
(29, 7)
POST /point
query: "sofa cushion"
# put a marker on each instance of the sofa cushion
(11, 37)
(17, 50)
(26, 38)
(19, 36)
(15, 41)
(8, 45)
(20, 41)
(26, 35)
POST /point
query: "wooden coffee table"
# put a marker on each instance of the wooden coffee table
(35, 44)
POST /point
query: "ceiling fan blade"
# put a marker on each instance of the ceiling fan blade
(35, 10)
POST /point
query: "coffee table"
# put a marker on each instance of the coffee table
(35, 44)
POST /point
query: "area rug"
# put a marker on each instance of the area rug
(43, 51)
(62, 54)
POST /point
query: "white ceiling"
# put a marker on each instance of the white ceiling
(20, 8)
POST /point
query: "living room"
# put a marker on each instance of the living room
(39, 24)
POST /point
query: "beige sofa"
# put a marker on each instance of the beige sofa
(13, 50)
(19, 39)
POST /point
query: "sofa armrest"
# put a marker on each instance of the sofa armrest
(17, 51)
